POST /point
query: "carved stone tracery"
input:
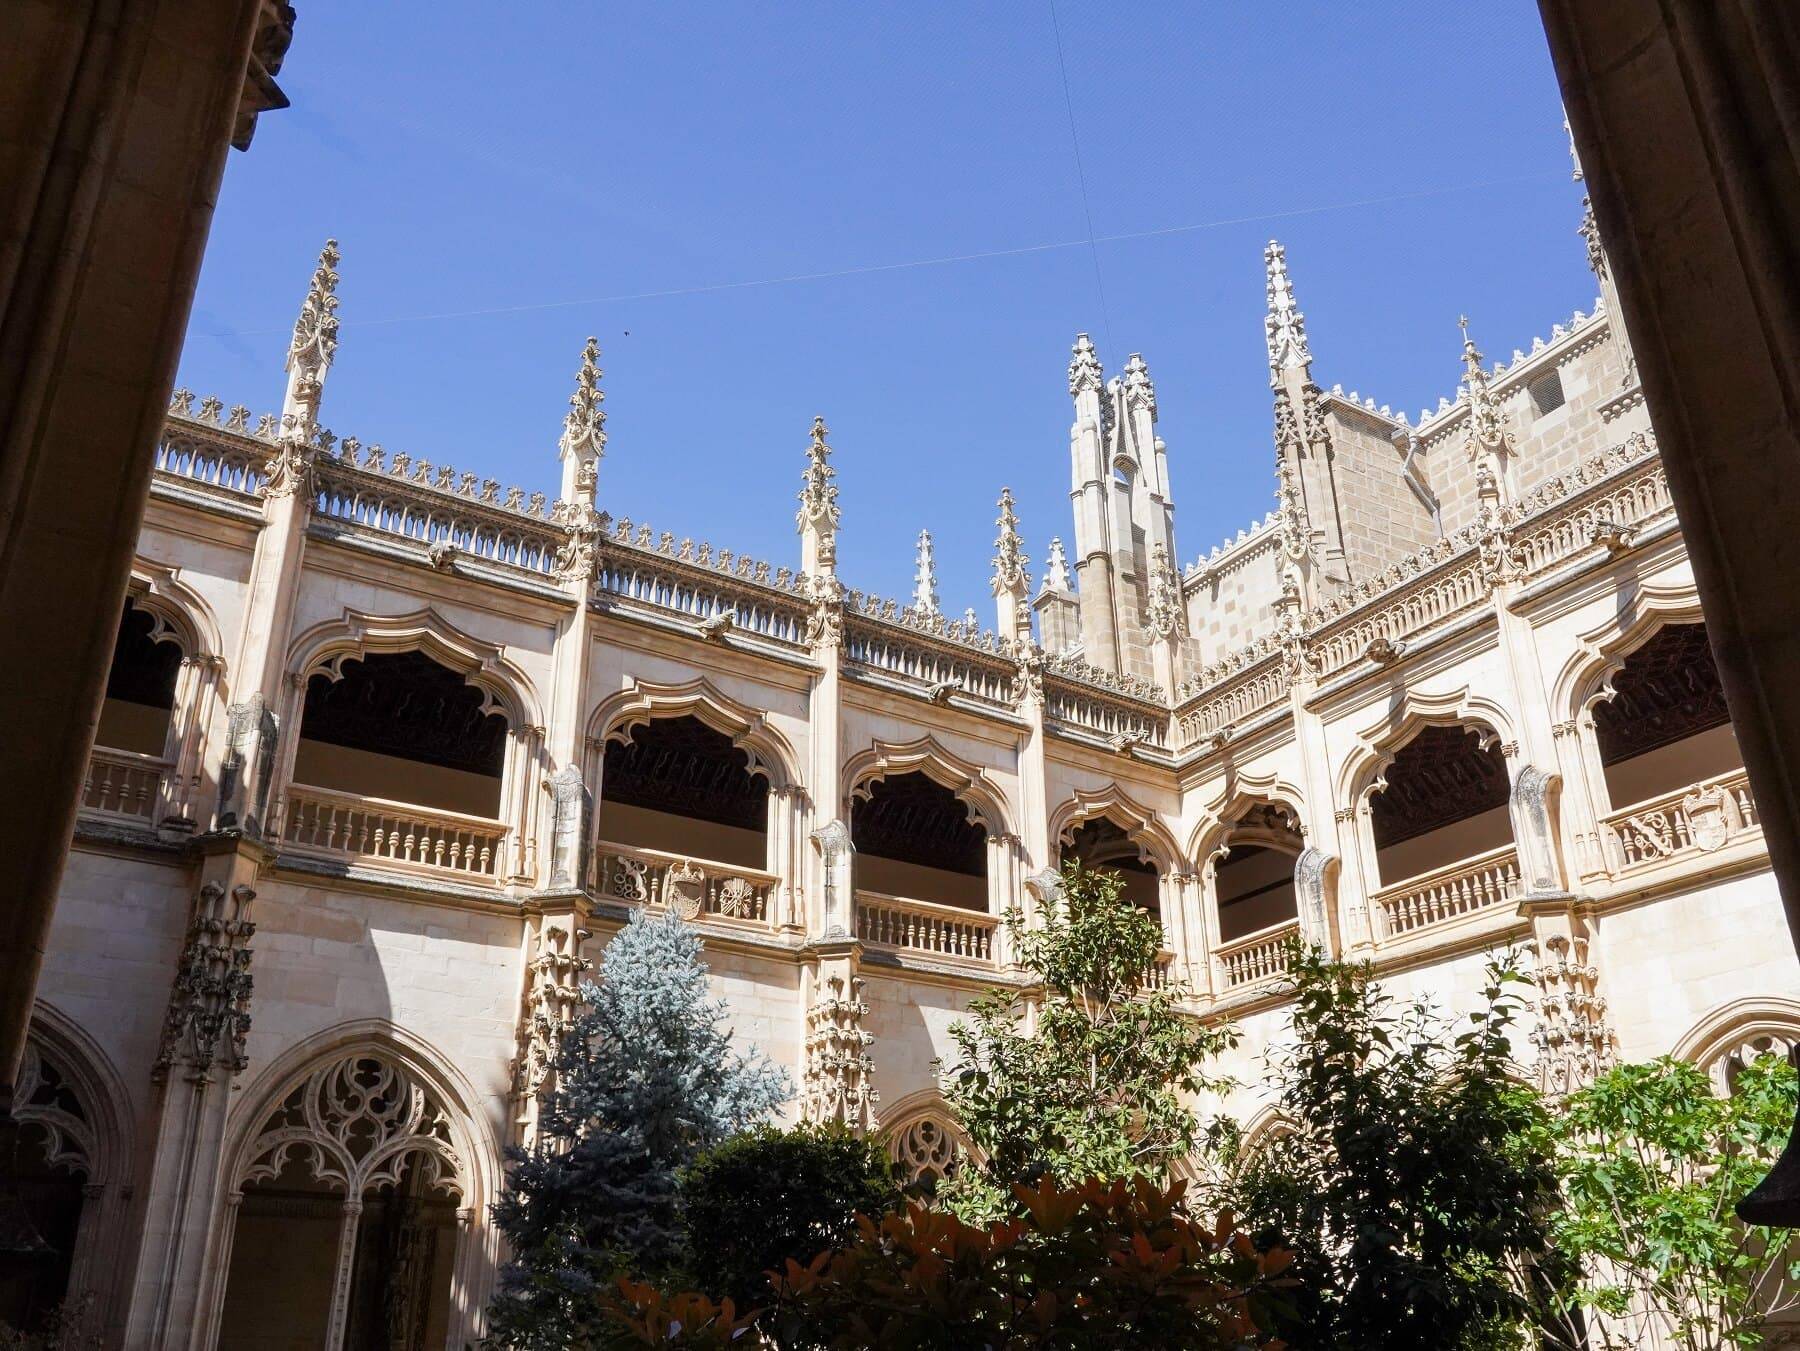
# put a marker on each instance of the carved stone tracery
(208, 1018)
(357, 1123)
(838, 1085)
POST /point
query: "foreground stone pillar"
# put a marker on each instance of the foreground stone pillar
(115, 118)
(1686, 117)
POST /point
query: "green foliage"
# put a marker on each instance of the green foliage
(769, 1195)
(1101, 1086)
(1091, 1268)
(646, 1079)
(1651, 1163)
(1408, 1187)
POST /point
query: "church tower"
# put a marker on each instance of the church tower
(1124, 510)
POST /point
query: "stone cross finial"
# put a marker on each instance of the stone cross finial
(1009, 549)
(1085, 376)
(584, 425)
(315, 331)
(1284, 325)
(925, 590)
(1056, 569)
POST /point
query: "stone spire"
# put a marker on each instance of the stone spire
(583, 442)
(817, 518)
(1085, 376)
(1056, 569)
(314, 342)
(1485, 437)
(925, 588)
(1011, 584)
(1284, 326)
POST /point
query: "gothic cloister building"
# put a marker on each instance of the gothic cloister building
(389, 751)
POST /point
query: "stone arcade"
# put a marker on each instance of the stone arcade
(389, 751)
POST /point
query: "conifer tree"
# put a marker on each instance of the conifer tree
(647, 1078)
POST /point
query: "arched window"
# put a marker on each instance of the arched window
(401, 727)
(926, 1151)
(140, 686)
(915, 838)
(1254, 882)
(346, 1216)
(1666, 728)
(1102, 843)
(1444, 801)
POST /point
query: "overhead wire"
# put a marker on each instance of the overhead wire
(983, 255)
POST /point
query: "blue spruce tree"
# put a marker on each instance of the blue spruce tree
(646, 1079)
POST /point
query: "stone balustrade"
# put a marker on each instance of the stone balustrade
(330, 824)
(124, 785)
(693, 888)
(1256, 957)
(421, 512)
(925, 926)
(1446, 893)
(937, 656)
(1683, 825)
(212, 457)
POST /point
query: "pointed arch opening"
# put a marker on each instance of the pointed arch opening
(1441, 799)
(403, 727)
(678, 785)
(349, 1203)
(914, 837)
(1102, 843)
(1660, 722)
(1254, 879)
(139, 708)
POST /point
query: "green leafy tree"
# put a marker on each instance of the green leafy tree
(647, 1078)
(1406, 1182)
(1651, 1162)
(1092, 1072)
(763, 1197)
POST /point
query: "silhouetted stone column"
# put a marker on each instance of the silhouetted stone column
(1686, 116)
(114, 126)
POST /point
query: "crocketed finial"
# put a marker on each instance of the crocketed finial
(315, 331)
(1284, 325)
(925, 589)
(1084, 367)
(1009, 548)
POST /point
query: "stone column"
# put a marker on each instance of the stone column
(201, 1055)
(113, 140)
(1684, 115)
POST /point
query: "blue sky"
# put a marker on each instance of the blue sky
(660, 175)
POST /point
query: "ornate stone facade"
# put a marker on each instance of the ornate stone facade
(1405, 715)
